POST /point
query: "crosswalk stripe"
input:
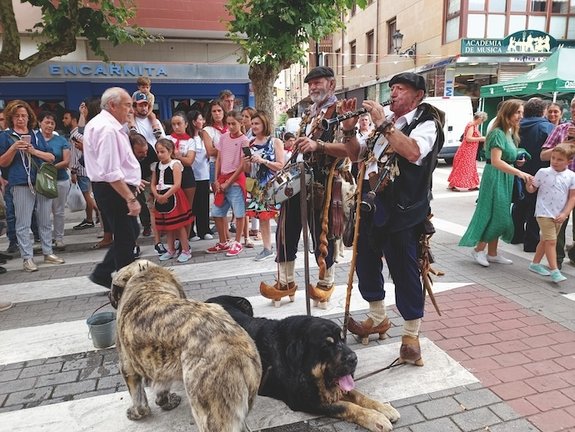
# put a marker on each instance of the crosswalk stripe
(58, 339)
(197, 271)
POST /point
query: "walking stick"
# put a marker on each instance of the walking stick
(354, 248)
(304, 227)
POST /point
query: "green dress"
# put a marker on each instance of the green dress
(492, 216)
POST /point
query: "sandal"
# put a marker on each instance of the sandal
(101, 245)
(248, 243)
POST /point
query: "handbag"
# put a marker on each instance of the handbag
(46, 180)
(166, 207)
(75, 200)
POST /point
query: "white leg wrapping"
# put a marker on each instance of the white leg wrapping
(411, 327)
(377, 311)
(329, 277)
(286, 272)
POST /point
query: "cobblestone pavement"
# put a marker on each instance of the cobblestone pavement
(513, 330)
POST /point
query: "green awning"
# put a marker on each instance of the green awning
(555, 75)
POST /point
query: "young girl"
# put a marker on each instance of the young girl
(185, 152)
(555, 200)
(230, 185)
(267, 158)
(172, 210)
(201, 167)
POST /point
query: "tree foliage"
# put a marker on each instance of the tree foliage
(62, 23)
(273, 34)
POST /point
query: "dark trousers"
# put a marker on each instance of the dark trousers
(287, 242)
(400, 250)
(10, 215)
(526, 229)
(201, 208)
(125, 229)
(560, 248)
(144, 212)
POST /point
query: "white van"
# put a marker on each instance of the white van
(458, 112)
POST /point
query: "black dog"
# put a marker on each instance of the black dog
(307, 365)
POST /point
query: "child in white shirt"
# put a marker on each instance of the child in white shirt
(555, 200)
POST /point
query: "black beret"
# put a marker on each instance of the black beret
(414, 80)
(319, 72)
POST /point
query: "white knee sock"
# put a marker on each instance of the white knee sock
(286, 272)
(411, 327)
(328, 278)
(377, 311)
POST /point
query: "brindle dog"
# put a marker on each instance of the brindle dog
(162, 337)
(307, 365)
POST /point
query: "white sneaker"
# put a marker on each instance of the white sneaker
(208, 237)
(499, 259)
(480, 258)
(195, 238)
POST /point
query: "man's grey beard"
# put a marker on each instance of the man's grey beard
(318, 98)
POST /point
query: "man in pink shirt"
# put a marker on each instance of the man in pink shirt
(116, 178)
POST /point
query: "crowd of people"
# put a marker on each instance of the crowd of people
(134, 171)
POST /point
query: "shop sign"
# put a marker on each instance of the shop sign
(522, 42)
(106, 70)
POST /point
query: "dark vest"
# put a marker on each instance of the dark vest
(404, 203)
(168, 175)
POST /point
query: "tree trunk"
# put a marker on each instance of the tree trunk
(263, 77)
(10, 63)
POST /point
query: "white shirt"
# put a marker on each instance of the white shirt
(144, 127)
(553, 191)
(201, 165)
(215, 135)
(424, 135)
(184, 146)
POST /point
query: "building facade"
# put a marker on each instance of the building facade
(458, 45)
(193, 63)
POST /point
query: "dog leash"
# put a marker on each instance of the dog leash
(392, 364)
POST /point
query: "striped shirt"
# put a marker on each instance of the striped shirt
(557, 136)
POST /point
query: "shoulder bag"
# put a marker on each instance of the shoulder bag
(46, 180)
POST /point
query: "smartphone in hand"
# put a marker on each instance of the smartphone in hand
(26, 138)
(247, 151)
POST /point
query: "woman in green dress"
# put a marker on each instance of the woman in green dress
(492, 217)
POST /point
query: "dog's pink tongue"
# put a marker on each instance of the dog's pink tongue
(346, 383)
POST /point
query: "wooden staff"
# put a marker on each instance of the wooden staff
(359, 195)
(304, 228)
(323, 242)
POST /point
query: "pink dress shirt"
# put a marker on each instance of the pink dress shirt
(108, 156)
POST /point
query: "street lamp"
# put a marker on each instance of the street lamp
(397, 41)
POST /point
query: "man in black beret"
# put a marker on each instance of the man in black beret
(316, 146)
(413, 135)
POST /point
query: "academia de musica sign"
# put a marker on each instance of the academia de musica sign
(519, 43)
